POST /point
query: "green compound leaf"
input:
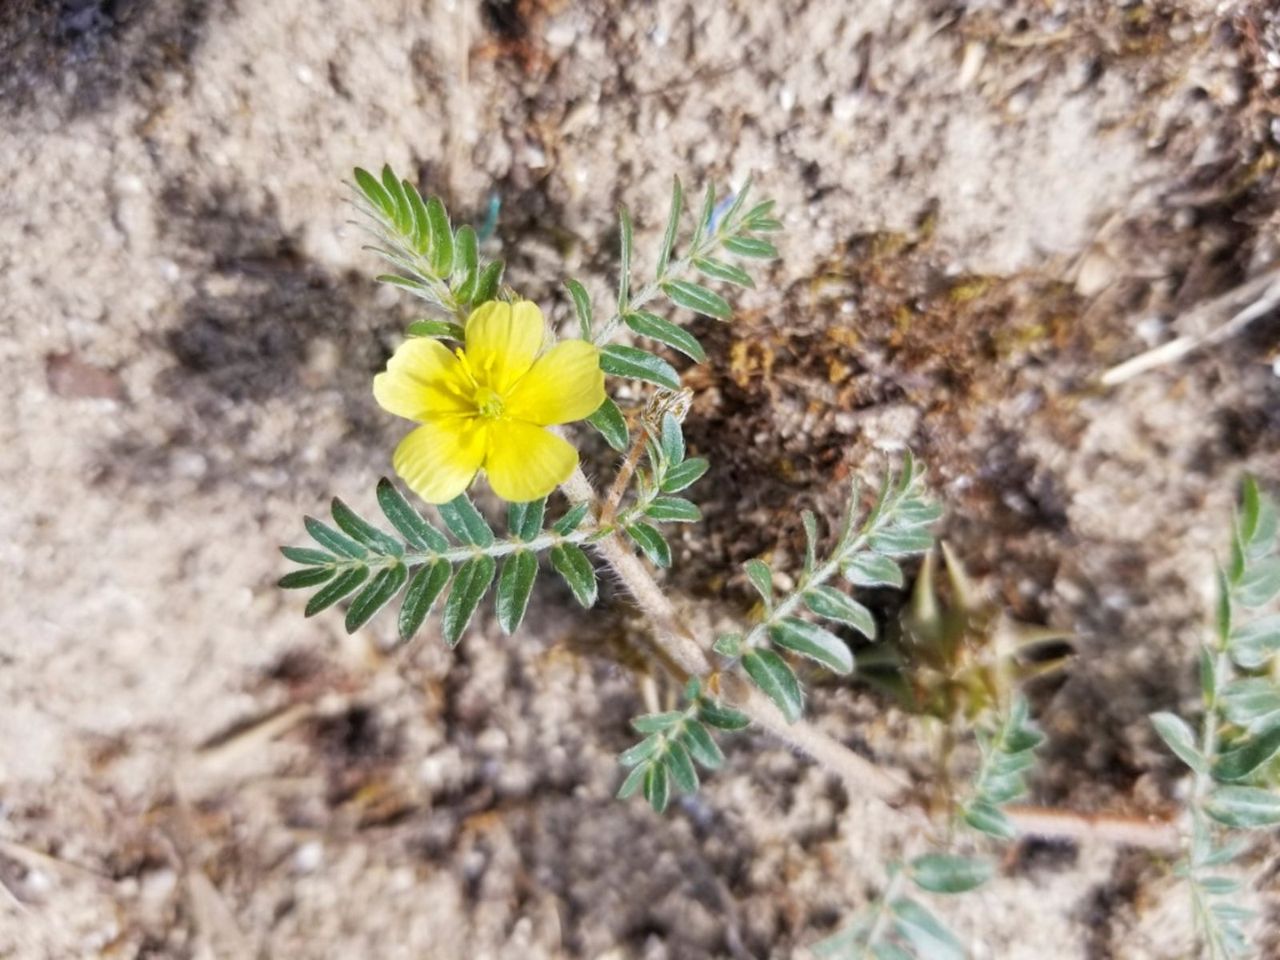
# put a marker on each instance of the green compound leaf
(702, 746)
(1256, 642)
(1238, 763)
(409, 522)
(469, 587)
(575, 567)
(761, 578)
(680, 765)
(917, 513)
(925, 932)
(902, 541)
(1246, 807)
(684, 475)
(466, 267)
(465, 522)
(1260, 583)
(655, 328)
(810, 540)
(651, 542)
(646, 749)
(1263, 540)
(989, 819)
(385, 584)
(524, 520)
(632, 782)
(421, 596)
(441, 238)
(831, 603)
(751, 247)
(436, 329)
(671, 441)
(515, 584)
(708, 211)
(571, 520)
(872, 570)
(776, 681)
(635, 364)
(364, 532)
(1250, 700)
(488, 283)
(812, 641)
(401, 214)
(421, 229)
(627, 242)
(656, 722)
(375, 194)
(336, 589)
(728, 272)
(311, 558)
(331, 539)
(608, 419)
(673, 226)
(695, 297)
(1181, 739)
(581, 306)
(301, 579)
(722, 718)
(657, 787)
(673, 510)
(946, 873)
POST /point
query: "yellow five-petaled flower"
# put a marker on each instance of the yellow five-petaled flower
(487, 406)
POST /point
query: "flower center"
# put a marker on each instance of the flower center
(488, 401)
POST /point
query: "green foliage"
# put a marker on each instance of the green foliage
(1235, 755)
(736, 233)
(947, 873)
(426, 560)
(897, 523)
(434, 261)
(611, 424)
(897, 926)
(675, 744)
(1008, 753)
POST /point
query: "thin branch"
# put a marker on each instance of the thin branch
(618, 489)
(1150, 833)
(1247, 303)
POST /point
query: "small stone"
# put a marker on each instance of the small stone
(69, 376)
(308, 857)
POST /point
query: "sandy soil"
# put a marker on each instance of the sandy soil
(987, 205)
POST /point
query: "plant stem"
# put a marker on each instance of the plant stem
(701, 248)
(676, 646)
(883, 910)
(618, 488)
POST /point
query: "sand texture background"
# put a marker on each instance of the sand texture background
(987, 205)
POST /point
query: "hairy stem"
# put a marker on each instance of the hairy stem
(677, 647)
(618, 489)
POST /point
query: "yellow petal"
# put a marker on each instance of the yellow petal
(565, 384)
(527, 462)
(502, 341)
(423, 379)
(440, 458)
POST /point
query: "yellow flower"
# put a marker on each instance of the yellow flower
(486, 407)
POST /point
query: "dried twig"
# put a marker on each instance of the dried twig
(1246, 304)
